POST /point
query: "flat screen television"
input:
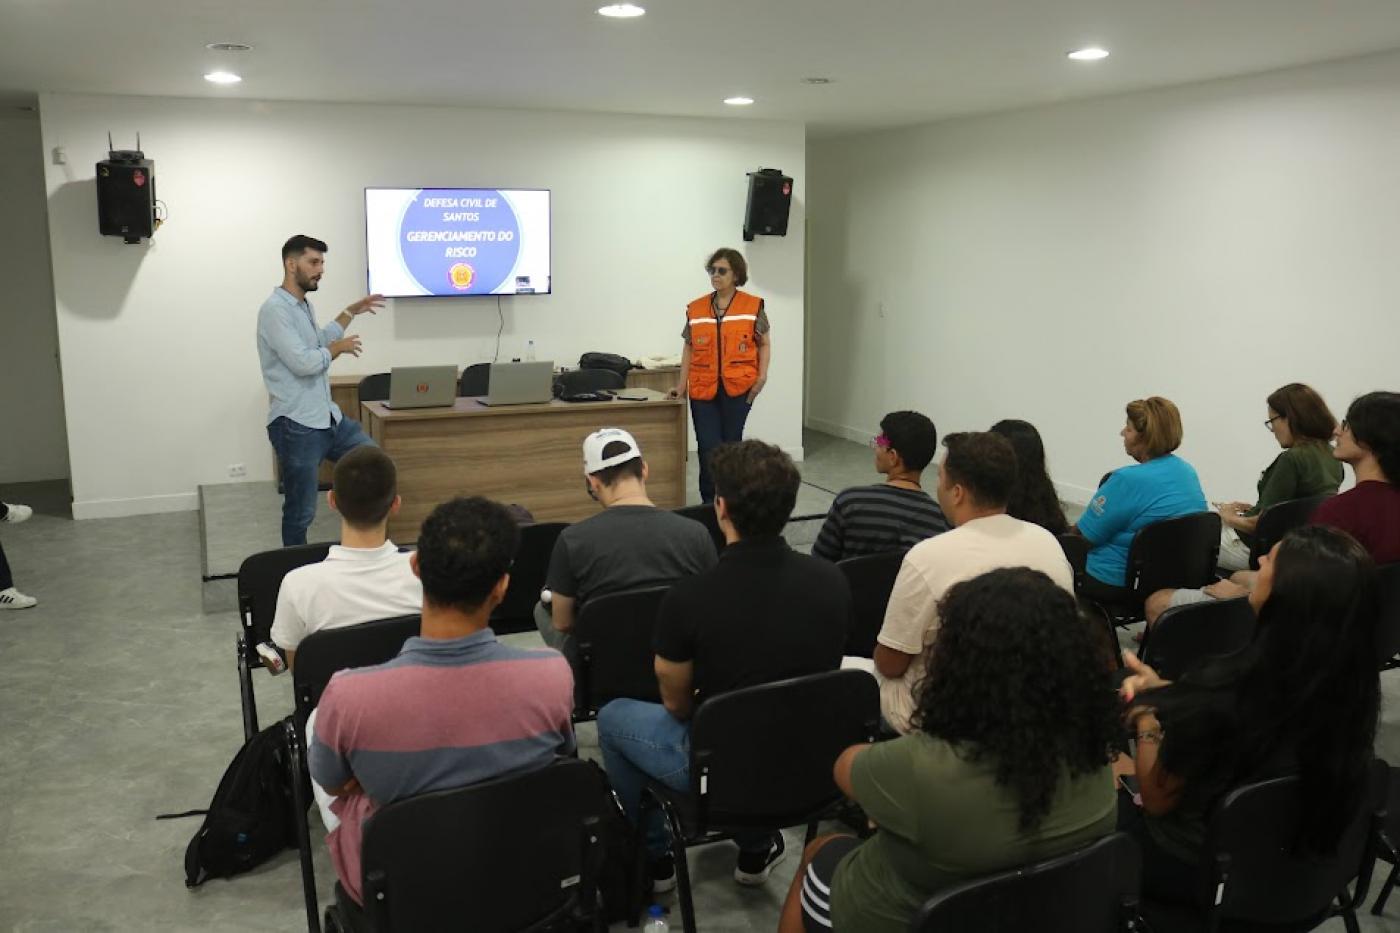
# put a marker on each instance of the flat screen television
(457, 241)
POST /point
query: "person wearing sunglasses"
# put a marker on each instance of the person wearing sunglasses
(724, 364)
(894, 515)
(1303, 425)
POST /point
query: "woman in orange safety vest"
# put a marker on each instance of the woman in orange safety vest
(725, 361)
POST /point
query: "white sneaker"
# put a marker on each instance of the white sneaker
(17, 514)
(14, 599)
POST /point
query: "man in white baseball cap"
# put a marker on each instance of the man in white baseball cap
(631, 544)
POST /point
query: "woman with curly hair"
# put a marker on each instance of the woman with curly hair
(1302, 698)
(1033, 499)
(1008, 763)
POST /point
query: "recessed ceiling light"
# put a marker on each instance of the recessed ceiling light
(228, 47)
(738, 101)
(222, 77)
(1091, 54)
(816, 80)
(621, 10)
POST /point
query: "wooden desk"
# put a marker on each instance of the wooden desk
(530, 454)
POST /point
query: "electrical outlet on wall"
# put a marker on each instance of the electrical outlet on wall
(236, 470)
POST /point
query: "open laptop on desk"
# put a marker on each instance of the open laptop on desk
(422, 387)
(520, 383)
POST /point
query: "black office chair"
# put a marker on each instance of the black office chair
(1184, 635)
(1089, 890)
(614, 650)
(320, 656)
(587, 380)
(1388, 841)
(1388, 625)
(1101, 628)
(1174, 553)
(1254, 876)
(871, 577)
(705, 515)
(374, 388)
(761, 759)
(259, 581)
(475, 380)
(1076, 548)
(516, 613)
(517, 853)
(1278, 520)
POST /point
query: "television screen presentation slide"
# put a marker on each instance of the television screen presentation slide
(457, 241)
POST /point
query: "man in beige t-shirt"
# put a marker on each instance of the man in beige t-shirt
(974, 485)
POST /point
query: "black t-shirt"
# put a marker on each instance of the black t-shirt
(765, 613)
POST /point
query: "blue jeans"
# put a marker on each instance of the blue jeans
(300, 451)
(641, 740)
(717, 421)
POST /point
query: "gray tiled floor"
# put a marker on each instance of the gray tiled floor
(118, 701)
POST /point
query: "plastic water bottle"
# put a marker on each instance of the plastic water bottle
(529, 351)
(656, 920)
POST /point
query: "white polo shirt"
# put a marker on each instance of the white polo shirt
(351, 585)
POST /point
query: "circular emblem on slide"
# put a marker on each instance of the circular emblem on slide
(459, 242)
(461, 276)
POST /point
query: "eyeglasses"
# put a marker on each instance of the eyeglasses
(880, 442)
(1269, 425)
(718, 270)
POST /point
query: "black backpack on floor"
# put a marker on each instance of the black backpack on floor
(250, 818)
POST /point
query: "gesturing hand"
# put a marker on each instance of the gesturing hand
(370, 303)
(350, 343)
(1142, 677)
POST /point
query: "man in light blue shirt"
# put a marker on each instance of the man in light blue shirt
(303, 424)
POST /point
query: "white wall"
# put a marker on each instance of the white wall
(32, 442)
(162, 383)
(1207, 243)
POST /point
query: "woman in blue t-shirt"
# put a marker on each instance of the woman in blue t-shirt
(1159, 486)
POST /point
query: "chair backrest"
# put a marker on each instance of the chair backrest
(1184, 635)
(1252, 834)
(705, 515)
(1278, 520)
(762, 756)
(325, 652)
(1388, 625)
(259, 582)
(501, 855)
(587, 380)
(1174, 553)
(614, 649)
(1089, 890)
(374, 388)
(475, 380)
(871, 577)
(516, 613)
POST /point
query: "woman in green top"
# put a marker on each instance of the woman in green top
(1303, 425)
(1008, 763)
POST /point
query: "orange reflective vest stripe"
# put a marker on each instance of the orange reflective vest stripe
(723, 348)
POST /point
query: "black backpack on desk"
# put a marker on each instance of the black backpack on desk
(618, 364)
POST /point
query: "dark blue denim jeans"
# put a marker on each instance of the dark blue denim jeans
(717, 421)
(300, 451)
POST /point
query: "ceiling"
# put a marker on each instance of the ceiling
(892, 62)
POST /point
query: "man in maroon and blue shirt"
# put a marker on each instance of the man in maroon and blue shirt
(456, 706)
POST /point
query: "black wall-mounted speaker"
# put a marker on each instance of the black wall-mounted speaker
(770, 197)
(126, 198)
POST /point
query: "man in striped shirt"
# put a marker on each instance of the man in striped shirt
(894, 515)
(456, 706)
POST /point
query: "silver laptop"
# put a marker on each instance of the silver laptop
(422, 387)
(520, 383)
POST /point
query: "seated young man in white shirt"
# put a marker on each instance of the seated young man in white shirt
(362, 579)
(974, 485)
